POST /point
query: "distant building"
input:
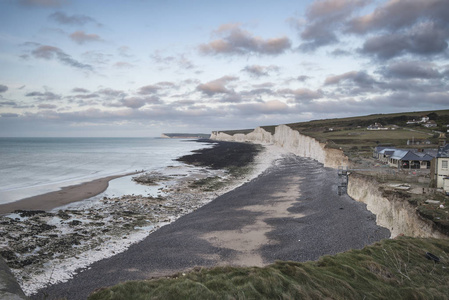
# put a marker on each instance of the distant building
(430, 124)
(376, 126)
(404, 159)
(418, 142)
(440, 165)
(424, 119)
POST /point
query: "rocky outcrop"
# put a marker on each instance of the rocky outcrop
(292, 141)
(392, 210)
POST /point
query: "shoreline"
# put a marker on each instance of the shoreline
(63, 196)
(93, 226)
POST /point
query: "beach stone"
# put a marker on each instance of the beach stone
(75, 223)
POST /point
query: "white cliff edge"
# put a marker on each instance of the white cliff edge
(292, 141)
(398, 216)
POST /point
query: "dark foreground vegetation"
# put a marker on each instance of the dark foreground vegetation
(403, 268)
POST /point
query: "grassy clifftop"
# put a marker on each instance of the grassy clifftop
(390, 269)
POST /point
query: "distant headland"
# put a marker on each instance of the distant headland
(185, 135)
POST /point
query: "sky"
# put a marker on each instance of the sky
(144, 67)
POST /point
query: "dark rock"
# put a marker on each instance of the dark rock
(28, 213)
(75, 223)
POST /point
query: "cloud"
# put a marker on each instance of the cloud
(79, 90)
(81, 37)
(181, 61)
(302, 94)
(269, 107)
(3, 88)
(123, 65)
(361, 78)
(404, 27)
(9, 115)
(423, 39)
(47, 96)
(236, 41)
(50, 52)
(259, 71)
(75, 20)
(138, 102)
(42, 3)
(217, 86)
(303, 78)
(412, 69)
(47, 106)
(111, 92)
(400, 14)
(149, 89)
(323, 19)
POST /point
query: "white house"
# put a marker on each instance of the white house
(440, 166)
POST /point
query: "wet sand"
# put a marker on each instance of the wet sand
(61, 197)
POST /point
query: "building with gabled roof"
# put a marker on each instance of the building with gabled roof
(440, 165)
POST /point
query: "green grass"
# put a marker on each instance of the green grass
(390, 269)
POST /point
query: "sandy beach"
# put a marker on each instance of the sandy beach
(291, 211)
(61, 197)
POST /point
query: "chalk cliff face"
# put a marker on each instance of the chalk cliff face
(292, 141)
(394, 213)
(398, 215)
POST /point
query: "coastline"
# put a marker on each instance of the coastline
(100, 227)
(278, 215)
(64, 196)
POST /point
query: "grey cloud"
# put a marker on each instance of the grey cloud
(148, 89)
(400, 14)
(9, 115)
(87, 96)
(47, 96)
(42, 3)
(259, 71)
(323, 19)
(3, 88)
(79, 90)
(138, 102)
(361, 78)
(236, 41)
(302, 94)
(412, 69)
(340, 52)
(423, 39)
(50, 52)
(269, 107)
(111, 92)
(47, 106)
(217, 86)
(303, 78)
(81, 37)
(78, 20)
(8, 103)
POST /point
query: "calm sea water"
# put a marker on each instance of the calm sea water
(33, 166)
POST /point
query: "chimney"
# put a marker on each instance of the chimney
(442, 140)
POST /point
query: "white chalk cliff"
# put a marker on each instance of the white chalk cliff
(399, 216)
(292, 141)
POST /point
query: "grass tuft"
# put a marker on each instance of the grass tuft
(390, 269)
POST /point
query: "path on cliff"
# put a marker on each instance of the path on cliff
(290, 212)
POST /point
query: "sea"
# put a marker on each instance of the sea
(35, 166)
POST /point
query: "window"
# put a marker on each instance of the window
(444, 164)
